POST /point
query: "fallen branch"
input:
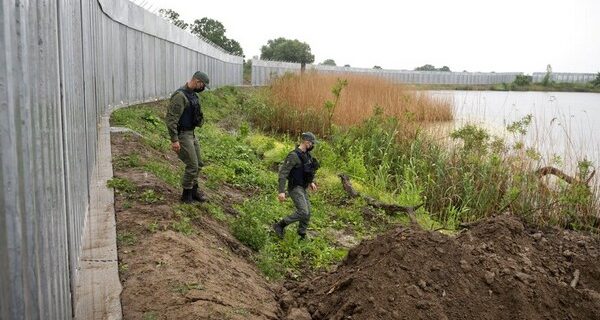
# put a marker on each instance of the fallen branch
(560, 174)
(389, 209)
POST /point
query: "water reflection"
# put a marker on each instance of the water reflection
(564, 129)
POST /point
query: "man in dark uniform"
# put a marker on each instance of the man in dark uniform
(299, 170)
(183, 116)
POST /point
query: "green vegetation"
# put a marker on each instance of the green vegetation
(282, 49)
(150, 197)
(429, 67)
(183, 288)
(206, 28)
(329, 62)
(126, 239)
(388, 158)
(596, 82)
(522, 80)
(122, 186)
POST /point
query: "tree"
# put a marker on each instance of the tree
(210, 29)
(282, 49)
(522, 80)
(596, 82)
(347, 66)
(247, 73)
(428, 67)
(329, 62)
(548, 76)
(173, 17)
(214, 31)
(377, 67)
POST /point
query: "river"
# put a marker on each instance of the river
(565, 125)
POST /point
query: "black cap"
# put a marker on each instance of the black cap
(202, 76)
(309, 136)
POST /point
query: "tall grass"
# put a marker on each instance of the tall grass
(298, 102)
(380, 140)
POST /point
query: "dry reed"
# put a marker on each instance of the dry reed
(309, 91)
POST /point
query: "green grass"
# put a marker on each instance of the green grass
(122, 186)
(164, 171)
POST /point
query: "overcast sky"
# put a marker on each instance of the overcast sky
(500, 36)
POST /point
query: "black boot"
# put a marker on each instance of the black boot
(186, 196)
(279, 228)
(198, 195)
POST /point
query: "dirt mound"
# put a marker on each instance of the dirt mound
(166, 274)
(498, 269)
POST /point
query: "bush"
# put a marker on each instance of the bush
(523, 80)
(596, 82)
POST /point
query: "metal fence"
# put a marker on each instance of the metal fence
(264, 71)
(63, 63)
(565, 77)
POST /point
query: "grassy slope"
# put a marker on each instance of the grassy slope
(246, 159)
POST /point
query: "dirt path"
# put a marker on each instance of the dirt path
(169, 275)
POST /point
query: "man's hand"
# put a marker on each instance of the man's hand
(281, 197)
(175, 146)
(313, 186)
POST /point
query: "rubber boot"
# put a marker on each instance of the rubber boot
(279, 229)
(197, 195)
(186, 196)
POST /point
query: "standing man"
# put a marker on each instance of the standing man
(299, 170)
(183, 116)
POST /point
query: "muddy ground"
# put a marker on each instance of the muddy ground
(495, 269)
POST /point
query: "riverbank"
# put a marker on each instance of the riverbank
(203, 260)
(555, 87)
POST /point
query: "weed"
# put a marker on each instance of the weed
(127, 204)
(165, 172)
(330, 106)
(126, 239)
(215, 211)
(123, 267)
(150, 315)
(152, 226)
(150, 197)
(121, 186)
(183, 226)
(186, 213)
(184, 288)
(129, 161)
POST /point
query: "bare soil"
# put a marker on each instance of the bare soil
(496, 269)
(499, 269)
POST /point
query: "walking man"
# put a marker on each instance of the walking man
(299, 170)
(183, 116)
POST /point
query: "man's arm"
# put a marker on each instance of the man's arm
(174, 112)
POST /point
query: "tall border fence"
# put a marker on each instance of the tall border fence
(565, 77)
(265, 71)
(63, 64)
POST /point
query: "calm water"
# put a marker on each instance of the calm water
(565, 124)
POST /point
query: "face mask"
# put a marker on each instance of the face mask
(199, 90)
(310, 148)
